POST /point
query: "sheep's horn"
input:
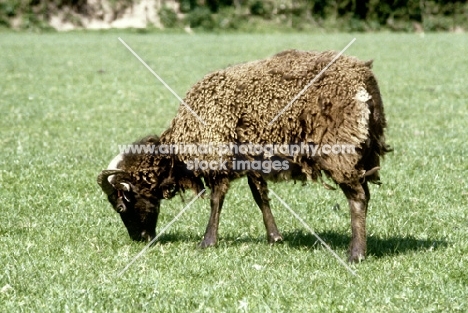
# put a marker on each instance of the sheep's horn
(103, 180)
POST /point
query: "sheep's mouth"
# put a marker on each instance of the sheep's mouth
(143, 236)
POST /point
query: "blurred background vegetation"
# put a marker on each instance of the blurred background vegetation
(212, 15)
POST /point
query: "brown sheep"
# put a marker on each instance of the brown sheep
(343, 106)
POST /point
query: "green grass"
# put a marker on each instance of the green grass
(68, 100)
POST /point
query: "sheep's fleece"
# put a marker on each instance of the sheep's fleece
(343, 106)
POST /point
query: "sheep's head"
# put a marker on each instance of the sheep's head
(138, 208)
(135, 184)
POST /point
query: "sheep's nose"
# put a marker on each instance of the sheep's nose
(145, 236)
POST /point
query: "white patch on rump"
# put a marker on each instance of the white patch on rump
(362, 96)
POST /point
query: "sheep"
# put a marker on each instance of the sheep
(238, 105)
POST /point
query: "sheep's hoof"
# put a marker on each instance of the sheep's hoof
(356, 257)
(274, 238)
(206, 244)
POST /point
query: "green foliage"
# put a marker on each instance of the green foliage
(261, 8)
(69, 99)
(168, 17)
(227, 19)
(347, 15)
(200, 17)
(9, 8)
(356, 16)
(186, 5)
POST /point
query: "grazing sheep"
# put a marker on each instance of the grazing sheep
(343, 106)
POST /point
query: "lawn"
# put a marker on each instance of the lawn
(68, 100)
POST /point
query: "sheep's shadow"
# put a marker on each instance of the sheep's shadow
(223, 239)
(376, 246)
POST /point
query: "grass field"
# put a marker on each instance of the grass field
(68, 100)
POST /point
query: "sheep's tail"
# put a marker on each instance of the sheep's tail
(377, 125)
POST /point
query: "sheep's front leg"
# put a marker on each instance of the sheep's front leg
(218, 191)
(358, 197)
(259, 189)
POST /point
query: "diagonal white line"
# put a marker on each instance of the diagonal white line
(311, 82)
(313, 233)
(161, 232)
(162, 81)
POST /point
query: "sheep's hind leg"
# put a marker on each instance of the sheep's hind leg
(259, 189)
(358, 197)
(218, 191)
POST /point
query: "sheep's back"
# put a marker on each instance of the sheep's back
(238, 103)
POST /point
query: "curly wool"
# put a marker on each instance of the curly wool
(343, 106)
